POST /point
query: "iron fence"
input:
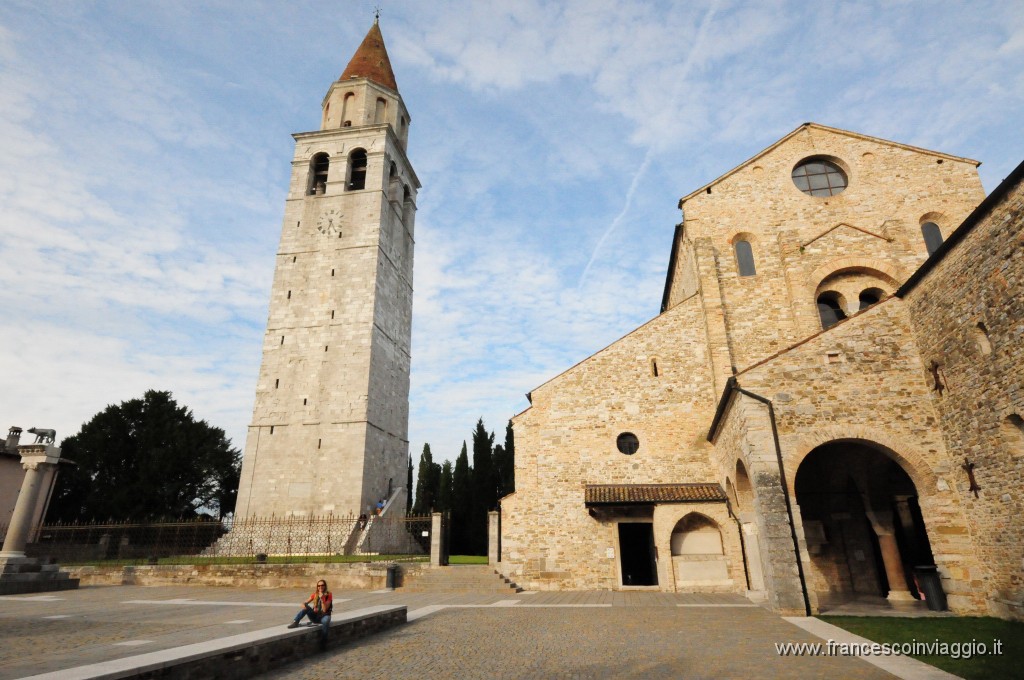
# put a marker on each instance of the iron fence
(251, 539)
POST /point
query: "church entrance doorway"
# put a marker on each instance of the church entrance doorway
(636, 554)
(862, 522)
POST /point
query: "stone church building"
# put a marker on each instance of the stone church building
(828, 407)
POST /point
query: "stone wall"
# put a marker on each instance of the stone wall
(340, 576)
(967, 315)
(568, 439)
(798, 239)
(330, 420)
(864, 380)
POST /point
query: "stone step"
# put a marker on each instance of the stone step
(476, 578)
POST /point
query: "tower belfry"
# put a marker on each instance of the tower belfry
(330, 424)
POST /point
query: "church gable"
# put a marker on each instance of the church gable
(823, 136)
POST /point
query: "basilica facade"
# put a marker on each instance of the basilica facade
(828, 407)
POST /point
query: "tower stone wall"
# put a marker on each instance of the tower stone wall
(330, 423)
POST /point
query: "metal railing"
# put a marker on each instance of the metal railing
(251, 539)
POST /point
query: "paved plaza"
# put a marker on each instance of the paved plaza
(457, 634)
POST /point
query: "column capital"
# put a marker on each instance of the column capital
(34, 455)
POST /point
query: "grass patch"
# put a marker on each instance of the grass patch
(951, 630)
(467, 559)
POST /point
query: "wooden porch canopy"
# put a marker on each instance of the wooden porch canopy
(647, 494)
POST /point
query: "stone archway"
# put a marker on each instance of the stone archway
(862, 523)
(745, 511)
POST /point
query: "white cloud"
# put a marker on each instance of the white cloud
(147, 150)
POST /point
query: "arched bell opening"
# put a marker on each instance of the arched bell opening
(862, 523)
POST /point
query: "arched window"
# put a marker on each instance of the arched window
(870, 296)
(1012, 431)
(346, 109)
(407, 205)
(318, 167)
(745, 257)
(981, 338)
(932, 236)
(380, 112)
(696, 534)
(357, 170)
(829, 309)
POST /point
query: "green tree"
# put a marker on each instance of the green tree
(146, 458)
(485, 488)
(426, 483)
(505, 463)
(462, 499)
(408, 488)
(444, 490)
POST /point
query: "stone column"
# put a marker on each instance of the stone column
(34, 460)
(493, 537)
(882, 524)
(435, 539)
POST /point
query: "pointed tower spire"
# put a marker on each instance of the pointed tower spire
(371, 60)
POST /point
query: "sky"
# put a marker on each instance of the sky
(145, 152)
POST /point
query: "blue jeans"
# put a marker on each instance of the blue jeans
(323, 619)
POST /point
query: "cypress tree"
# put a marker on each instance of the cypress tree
(462, 498)
(508, 467)
(408, 489)
(424, 484)
(485, 489)
(444, 490)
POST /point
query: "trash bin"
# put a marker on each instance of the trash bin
(931, 587)
(392, 581)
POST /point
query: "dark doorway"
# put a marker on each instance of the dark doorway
(636, 551)
(852, 497)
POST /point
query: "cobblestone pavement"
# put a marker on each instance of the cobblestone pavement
(569, 642)
(465, 635)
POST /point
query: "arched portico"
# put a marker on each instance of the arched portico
(862, 523)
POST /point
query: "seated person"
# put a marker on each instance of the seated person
(320, 612)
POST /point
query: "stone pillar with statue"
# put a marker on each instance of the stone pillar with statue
(18, 572)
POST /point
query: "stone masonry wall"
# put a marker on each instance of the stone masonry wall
(981, 281)
(567, 439)
(330, 420)
(863, 379)
(798, 239)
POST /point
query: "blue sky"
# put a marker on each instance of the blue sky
(147, 149)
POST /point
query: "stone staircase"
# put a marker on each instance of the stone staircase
(477, 578)
(21, 575)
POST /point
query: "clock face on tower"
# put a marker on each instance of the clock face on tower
(329, 223)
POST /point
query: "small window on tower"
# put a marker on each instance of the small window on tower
(380, 112)
(357, 170)
(318, 174)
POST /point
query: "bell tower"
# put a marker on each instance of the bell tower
(329, 432)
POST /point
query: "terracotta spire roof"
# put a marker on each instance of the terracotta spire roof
(371, 61)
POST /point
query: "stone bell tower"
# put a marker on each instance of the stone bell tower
(329, 432)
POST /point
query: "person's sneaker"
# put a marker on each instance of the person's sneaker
(310, 624)
(293, 624)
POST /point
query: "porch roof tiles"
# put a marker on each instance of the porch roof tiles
(640, 494)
